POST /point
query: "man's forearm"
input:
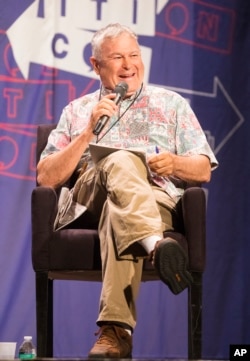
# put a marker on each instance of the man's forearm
(194, 168)
(56, 169)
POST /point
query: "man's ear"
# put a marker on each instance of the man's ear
(95, 65)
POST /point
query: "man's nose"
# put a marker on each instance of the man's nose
(126, 62)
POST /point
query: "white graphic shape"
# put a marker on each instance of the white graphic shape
(60, 37)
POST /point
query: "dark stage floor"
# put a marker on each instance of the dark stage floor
(106, 359)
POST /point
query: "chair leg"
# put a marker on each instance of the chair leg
(44, 314)
(195, 317)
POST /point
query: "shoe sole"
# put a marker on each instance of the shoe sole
(170, 261)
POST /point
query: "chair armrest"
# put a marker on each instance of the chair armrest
(194, 217)
(43, 213)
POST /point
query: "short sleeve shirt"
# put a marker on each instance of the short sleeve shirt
(152, 117)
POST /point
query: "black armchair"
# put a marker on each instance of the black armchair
(64, 255)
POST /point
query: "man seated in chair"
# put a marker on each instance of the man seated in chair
(133, 200)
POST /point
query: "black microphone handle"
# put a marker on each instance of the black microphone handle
(103, 120)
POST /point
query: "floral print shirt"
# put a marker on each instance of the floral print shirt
(153, 117)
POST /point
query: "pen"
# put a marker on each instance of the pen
(156, 150)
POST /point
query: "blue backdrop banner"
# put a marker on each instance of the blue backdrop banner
(197, 48)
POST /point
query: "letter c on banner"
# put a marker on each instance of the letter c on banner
(55, 49)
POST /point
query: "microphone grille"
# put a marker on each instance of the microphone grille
(121, 89)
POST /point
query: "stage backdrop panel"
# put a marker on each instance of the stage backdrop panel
(197, 48)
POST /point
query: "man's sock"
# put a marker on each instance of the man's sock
(148, 243)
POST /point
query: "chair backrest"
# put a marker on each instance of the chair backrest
(43, 132)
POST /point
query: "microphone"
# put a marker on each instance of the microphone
(120, 90)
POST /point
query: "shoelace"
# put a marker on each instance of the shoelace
(109, 332)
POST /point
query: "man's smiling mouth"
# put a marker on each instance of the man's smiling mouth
(128, 76)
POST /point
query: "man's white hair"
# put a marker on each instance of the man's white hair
(110, 31)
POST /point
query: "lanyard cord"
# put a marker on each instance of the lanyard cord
(120, 116)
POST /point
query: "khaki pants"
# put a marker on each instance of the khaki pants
(129, 208)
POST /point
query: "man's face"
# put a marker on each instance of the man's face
(120, 62)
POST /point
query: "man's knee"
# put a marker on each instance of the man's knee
(125, 159)
(122, 154)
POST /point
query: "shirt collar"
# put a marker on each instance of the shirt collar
(105, 91)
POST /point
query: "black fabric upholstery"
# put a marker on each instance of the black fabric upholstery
(74, 254)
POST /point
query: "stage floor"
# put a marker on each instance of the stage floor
(106, 359)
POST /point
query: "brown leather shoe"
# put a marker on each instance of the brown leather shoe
(113, 342)
(170, 261)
